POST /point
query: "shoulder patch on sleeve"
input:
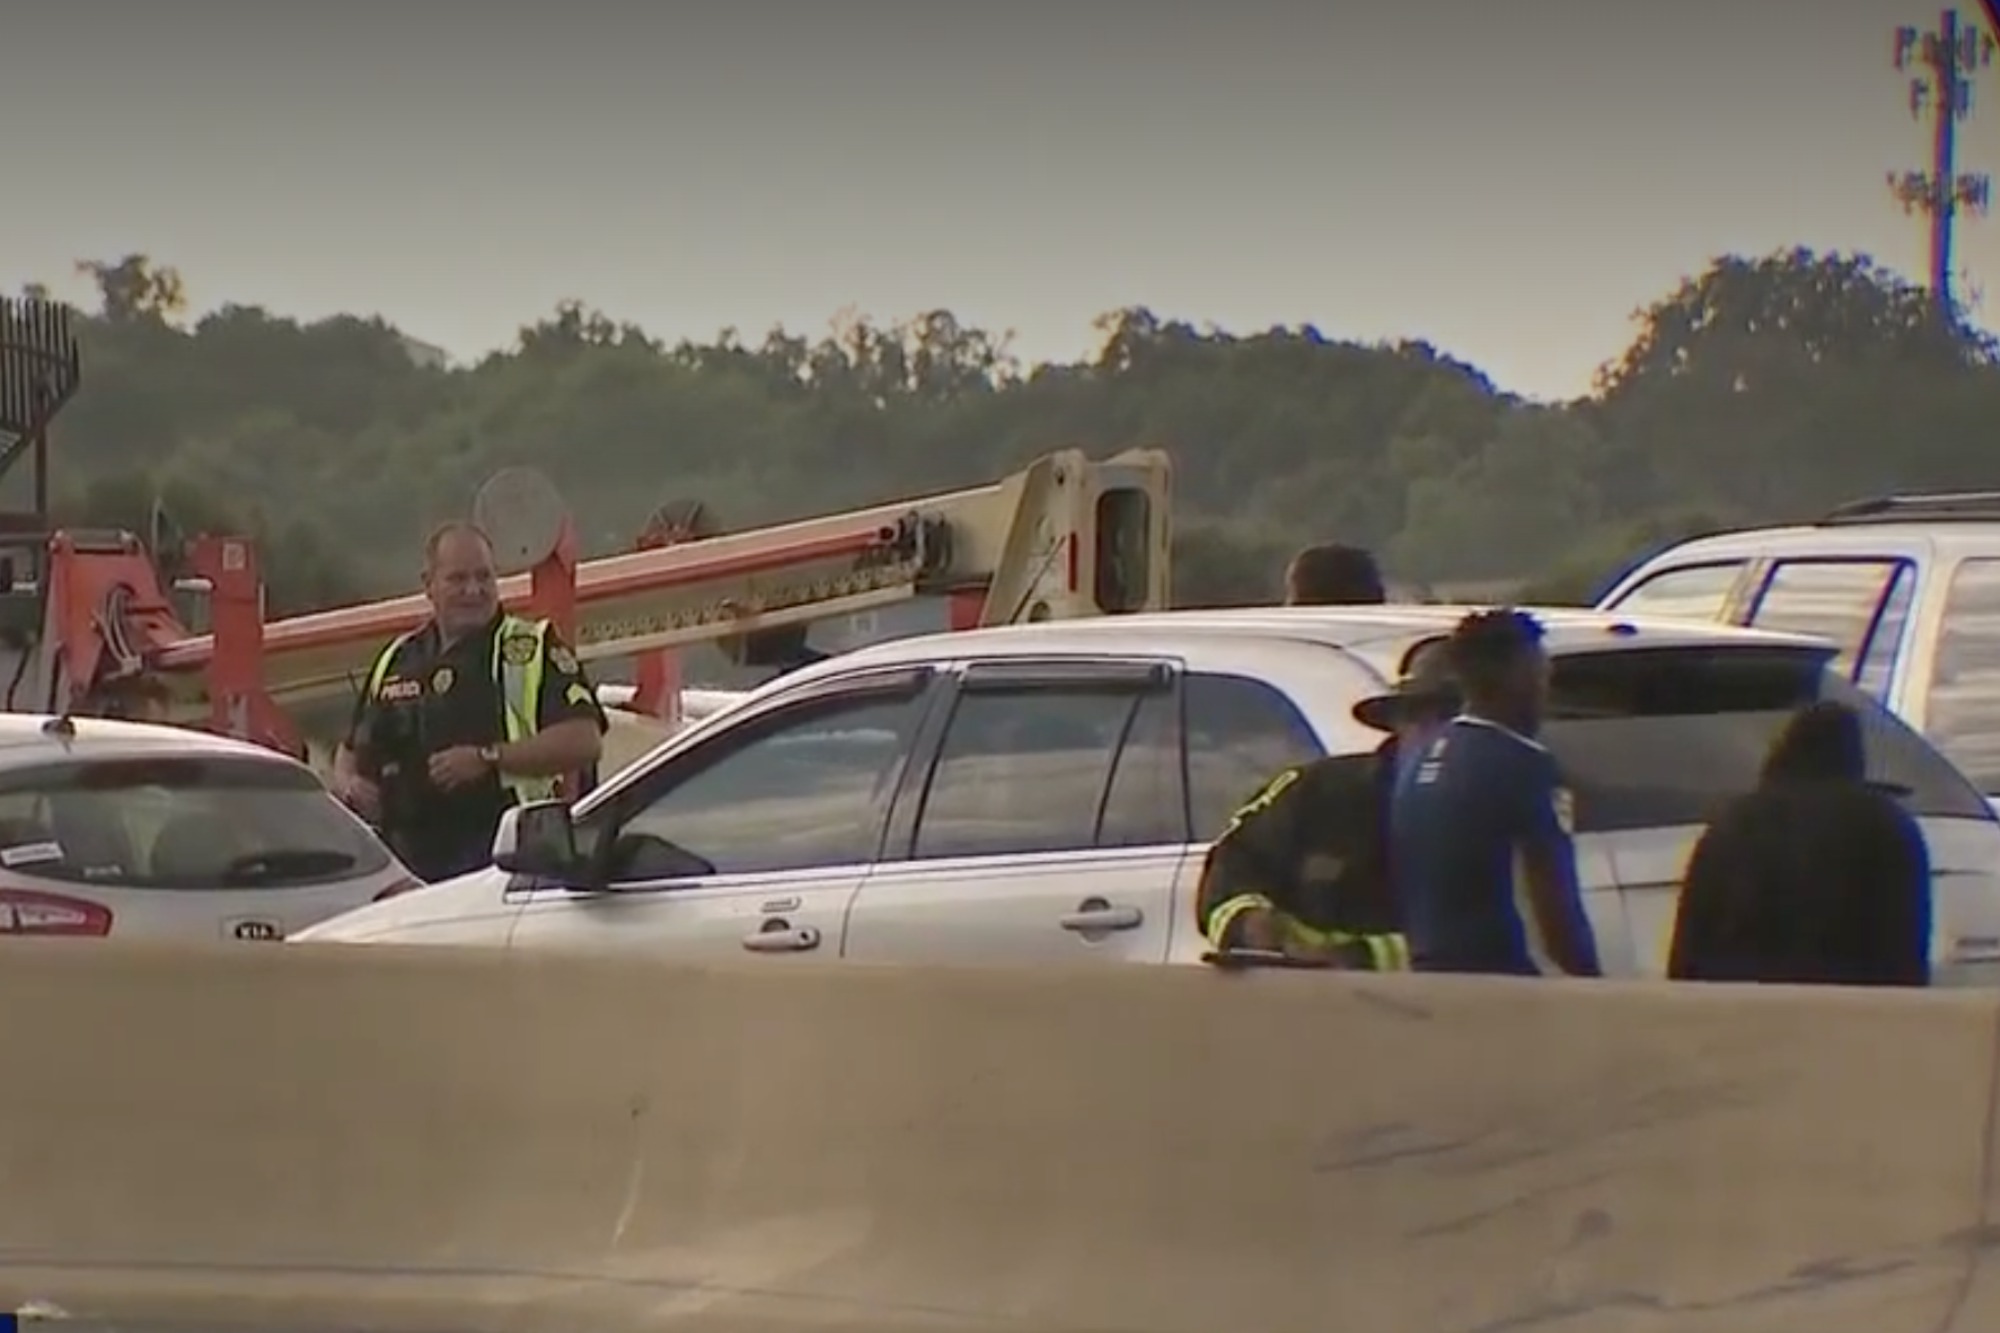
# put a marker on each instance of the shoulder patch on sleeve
(562, 659)
(1264, 799)
(1565, 804)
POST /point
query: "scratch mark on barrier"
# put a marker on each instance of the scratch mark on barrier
(1452, 1226)
(635, 1183)
(1978, 1237)
(1395, 1004)
(1808, 1279)
(1560, 1134)
(1537, 1134)
(633, 1188)
(1399, 1142)
(1982, 1230)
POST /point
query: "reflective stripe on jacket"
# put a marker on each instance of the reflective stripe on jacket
(1307, 849)
(1388, 952)
(519, 682)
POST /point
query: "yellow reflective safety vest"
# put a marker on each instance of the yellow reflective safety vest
(519, 655)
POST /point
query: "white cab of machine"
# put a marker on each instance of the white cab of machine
(1047, 792)
(137, 831)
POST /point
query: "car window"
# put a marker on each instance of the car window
(180, 823)
(1963, 712)
(1688, 592)
(807, 787)
(1662, 737)
(1875, 667)
(1240, 734)
(1833, 599)
(1024, 770)
(1147, 803)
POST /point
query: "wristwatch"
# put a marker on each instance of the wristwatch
(489, 755)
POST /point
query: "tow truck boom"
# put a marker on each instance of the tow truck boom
(1016, 545)
(1063, 537)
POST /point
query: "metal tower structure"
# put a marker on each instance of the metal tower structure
(1939, 66)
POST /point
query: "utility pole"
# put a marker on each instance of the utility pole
(1939, 65)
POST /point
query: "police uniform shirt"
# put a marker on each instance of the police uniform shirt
(1459, 821)
(433, 698)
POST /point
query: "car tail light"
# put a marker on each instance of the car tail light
(401, 886)
(28, 912)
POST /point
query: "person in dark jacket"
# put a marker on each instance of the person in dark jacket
(1331, 574)
(1302, 869)
(1814, 877)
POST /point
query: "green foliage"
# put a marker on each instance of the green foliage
(1761, 389)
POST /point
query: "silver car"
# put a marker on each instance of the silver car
(1046, 792)
(126, 829)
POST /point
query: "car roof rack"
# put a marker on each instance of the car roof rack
(1943, 507)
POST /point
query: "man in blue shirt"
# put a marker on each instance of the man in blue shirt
(1480, 848)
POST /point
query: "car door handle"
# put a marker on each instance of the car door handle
(782, 939)
(1098, 915)
(1975, 949)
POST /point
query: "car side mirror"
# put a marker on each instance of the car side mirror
(537, 839)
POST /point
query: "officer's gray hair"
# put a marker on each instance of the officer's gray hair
(457, 527)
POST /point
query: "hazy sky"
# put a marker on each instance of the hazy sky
(1507, 179)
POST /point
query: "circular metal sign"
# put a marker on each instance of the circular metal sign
(522, 512)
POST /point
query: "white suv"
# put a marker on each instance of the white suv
(1046, 792)
(1906, 588)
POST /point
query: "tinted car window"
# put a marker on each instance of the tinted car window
(1652, 738)
(180, 823)
(1963, 712)
(808, 787)
(1024, 770)
(1147, 803)
(1240, 734)
(1832, 599)
(1692, 592)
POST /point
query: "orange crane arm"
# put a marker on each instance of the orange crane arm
(1028, 545)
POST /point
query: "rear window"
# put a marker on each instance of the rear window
(1658, 737)
(1963, 711)
(179, 823)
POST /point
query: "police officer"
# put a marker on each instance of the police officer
(1480, 824)
(470, 713)
(1302, 870)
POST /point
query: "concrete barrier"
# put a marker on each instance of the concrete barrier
(400, 1139)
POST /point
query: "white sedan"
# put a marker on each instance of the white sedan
(1046, 792)
(127, 829)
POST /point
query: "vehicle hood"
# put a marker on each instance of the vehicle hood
(449, 903)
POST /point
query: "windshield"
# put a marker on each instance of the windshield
(1652, 738)
(179, 823)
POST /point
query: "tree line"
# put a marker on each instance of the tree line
(1763, 388)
